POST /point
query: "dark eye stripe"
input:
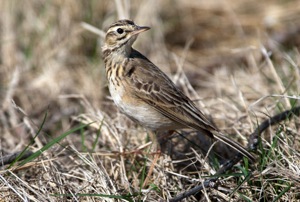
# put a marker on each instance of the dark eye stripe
(114, 33)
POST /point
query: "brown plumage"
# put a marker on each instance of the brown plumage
(146, 94)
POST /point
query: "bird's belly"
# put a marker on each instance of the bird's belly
(141, 112)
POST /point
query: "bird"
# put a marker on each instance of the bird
(144, 93)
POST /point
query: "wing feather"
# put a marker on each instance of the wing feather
(154, 87)
(166, 97)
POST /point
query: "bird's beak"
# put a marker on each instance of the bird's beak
(139, 29)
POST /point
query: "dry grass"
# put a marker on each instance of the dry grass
(238, 59)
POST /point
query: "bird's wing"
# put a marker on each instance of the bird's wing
(154, 87)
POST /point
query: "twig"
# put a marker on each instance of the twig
(253, 141)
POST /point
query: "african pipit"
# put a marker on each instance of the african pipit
(146, 94)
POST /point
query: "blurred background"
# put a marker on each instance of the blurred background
(46, 53)
(218, 52)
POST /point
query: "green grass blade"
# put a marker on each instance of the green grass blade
(50, 144)
(97, 136)
(283, 192)
(26, 148)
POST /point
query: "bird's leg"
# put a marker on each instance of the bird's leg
(155, 143)
(156, 153)
(157, 139)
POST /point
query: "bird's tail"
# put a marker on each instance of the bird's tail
(234, 145)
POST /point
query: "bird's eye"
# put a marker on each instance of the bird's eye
(120, 31)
